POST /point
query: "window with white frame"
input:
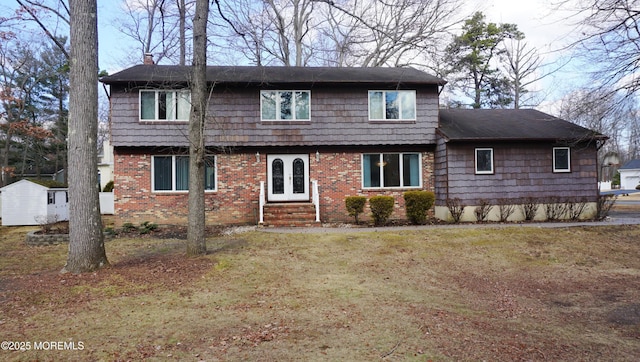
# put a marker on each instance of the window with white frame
(383, 170)
(392, 105)
(165, 105)
(171, 173)
(484, 161)
(561, 159)
(51, 197)
(285, 105)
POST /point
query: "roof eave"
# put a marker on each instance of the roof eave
(522, 139)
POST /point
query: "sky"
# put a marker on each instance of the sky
(545, 29)
(548, 30)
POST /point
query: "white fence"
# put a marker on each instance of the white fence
(604, 185)
(106, 203)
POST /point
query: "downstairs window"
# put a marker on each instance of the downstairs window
(388, 170)
(171, 173)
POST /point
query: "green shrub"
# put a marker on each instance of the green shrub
(108, 187)
(381, 208)
(417, 203)
(147, 227)
(355, 205)
(128, 227)
(616, 179)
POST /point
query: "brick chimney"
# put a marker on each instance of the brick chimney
(148, 59)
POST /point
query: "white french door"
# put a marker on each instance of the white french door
(288, 177)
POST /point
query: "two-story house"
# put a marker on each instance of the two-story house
(285, 145)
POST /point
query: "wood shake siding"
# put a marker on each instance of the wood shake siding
(339, 116)
(521, 170)
(440, 172)
(336, 135)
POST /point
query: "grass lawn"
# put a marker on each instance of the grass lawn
(508, 294)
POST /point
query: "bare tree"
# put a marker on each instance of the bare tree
(158, 26)
(14, 62)
(196, 241)
(342, 32)
(37, 9)
(522, 63)
(271, 30)
(603, 112)
(86, 241)
(182, 30)
(609, 41)
(291, 22)
(253, 26)
(633, 126)
(397, 33)
(339, 39)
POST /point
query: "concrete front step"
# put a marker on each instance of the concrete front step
(289, 214)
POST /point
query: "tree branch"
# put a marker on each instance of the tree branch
(43, 27)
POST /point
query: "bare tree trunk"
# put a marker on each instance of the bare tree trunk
(86, 242)
(182, 10)
(5, 159)
(196, 241)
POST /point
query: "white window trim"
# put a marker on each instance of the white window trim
(482, 172)
(384, 105)
(293, 106)
(157, 104)
(401, 171)
(173, 176)
(553, 155)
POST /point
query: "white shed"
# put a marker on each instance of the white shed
(630, 175)
(29, 203)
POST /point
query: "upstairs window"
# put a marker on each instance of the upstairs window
(392, 105)
(165, 105)
(285, 105)
(171, 173)
(561, 159)
(484, 161)
(388, 170)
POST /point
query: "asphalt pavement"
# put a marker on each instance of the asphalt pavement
(617, 216)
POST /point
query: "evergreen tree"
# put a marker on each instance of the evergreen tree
(472, 61)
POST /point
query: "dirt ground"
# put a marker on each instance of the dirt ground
(508, 294)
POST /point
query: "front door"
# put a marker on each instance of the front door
(288, 177)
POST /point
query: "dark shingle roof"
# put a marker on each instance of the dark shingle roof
(631, 165)
(509, 124)
(262, 75)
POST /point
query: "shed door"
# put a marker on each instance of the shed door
(288, 177)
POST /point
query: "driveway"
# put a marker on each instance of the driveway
(627, 205)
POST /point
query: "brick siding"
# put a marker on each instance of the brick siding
(238, 181)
